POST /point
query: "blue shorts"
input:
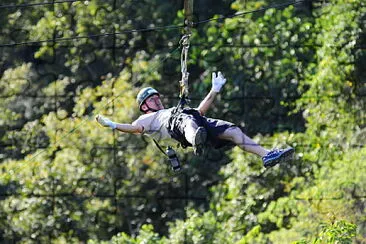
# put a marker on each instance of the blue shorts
(214, 127)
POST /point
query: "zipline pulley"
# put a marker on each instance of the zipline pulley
(184, 42)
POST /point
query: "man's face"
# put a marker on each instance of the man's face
(153, 103)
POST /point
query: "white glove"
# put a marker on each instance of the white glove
(217, 81)
(105, 122)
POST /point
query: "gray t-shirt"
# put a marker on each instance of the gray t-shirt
(155, 124)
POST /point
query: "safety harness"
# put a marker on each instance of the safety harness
(176, 120)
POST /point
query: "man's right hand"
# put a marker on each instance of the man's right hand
(105, 122)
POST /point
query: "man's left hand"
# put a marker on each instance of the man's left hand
(217, 81)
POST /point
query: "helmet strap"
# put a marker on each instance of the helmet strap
(148, 108)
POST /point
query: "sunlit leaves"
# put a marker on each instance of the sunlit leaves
(66, 179)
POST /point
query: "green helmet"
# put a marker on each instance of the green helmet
(144, 94)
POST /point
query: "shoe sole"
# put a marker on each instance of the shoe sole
(200, 140)
(286, 156)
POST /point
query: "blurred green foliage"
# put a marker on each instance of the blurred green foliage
(295, 77)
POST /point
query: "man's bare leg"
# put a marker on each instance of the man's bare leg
(236, 135)
(190, 131)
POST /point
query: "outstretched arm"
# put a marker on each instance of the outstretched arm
(217, 83)
(206, 102)
(127, 128)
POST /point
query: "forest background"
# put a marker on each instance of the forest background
(295, 77)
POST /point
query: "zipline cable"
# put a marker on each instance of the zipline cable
(25, 5)
(249, 12)
(63, 39)
(184, 42)
(159, 28)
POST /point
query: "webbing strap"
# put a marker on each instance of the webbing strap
(184, 42)
(157, 144)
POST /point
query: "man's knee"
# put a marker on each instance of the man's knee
(234, 134)
(238, 134)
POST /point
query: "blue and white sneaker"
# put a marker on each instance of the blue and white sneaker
(277, 156)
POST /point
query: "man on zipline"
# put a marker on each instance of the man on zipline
(190, 127)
